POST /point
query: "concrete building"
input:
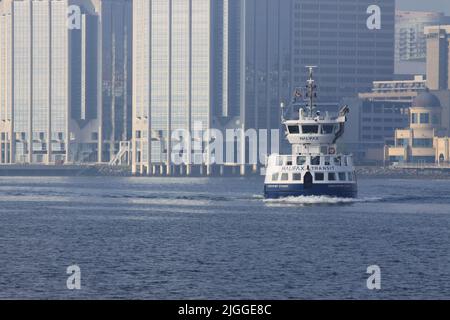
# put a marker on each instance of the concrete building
(48, 82)
(444, 98)
(410, 39)
(438, 57)
(374, 117)
(424, 141)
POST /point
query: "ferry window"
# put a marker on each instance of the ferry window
(297, 177)
(289, 162)
(414, 119)
(284, 177)
(324, 150)
(342, 176)
(279, 161)
(294, 129)
(328, 129)
(327, 161)
(349, 161)
(319, 176)
(350, 176)
(315, 161)
(337, 161)
(331, 176)
(345, 161)
(313, 129)
(301, 160)
(275, 177)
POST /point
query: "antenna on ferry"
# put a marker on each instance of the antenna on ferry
(311, 89)
(282, 106)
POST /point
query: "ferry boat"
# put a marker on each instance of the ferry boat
(314, 168)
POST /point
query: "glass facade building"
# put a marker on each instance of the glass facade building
(202, 64)
(34, 85)
(334, 36)
(116, 57)
(48, 84)
(265, 67)
(172, 70)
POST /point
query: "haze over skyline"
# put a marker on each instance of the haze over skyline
(420, 5)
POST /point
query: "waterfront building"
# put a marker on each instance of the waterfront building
(375, 115)
(424, 141)
(48, 83)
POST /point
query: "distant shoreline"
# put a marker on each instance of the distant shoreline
(375, 172)
(399, 173)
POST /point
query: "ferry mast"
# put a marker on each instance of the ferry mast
(311, 88)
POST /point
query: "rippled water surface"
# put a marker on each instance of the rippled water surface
(176, 238)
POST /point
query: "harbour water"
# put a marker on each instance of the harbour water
(189, 238)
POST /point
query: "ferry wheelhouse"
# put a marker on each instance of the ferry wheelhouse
(314, 167)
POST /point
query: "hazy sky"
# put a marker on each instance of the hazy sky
(431, 5)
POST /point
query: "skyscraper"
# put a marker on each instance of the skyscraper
(116, 55)
(349, 52)
(438, 57)
(265, 62)
(48, 87)
(200, 64)
(172, 71)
